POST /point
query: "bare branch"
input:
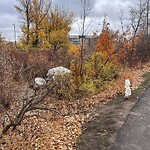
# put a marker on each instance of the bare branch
(45, 108)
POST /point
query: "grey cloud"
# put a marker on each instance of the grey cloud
(100, 7)
(8, 20)
(111, 8)
(9, 16)
(7, 7)
(73, 5)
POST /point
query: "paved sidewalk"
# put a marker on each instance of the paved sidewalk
(135, 133)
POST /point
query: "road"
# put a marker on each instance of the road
(135, 132)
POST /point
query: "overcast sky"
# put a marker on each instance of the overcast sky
(9, 16)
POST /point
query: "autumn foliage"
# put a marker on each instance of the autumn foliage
(51, 118)
(42, 25)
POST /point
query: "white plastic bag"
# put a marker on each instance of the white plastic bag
(57, 71)
(39, 82)
(127, 88)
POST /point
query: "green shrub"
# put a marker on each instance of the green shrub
(109, 72)
(87, 88)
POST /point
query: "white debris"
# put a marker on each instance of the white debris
(127, 88)
(39, 81)
(58, 71)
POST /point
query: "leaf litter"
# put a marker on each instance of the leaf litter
(57, 132)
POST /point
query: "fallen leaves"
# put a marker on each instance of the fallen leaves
(61, 132)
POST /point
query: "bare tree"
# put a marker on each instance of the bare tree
(136, 15)
(139, 16)
(24, 9)
(86, 10)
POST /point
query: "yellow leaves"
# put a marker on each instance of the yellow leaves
(45, 27)
(60, 21)
(41, 34)
(74, 51)
(45, 44)
(58, 39)
(58, 35)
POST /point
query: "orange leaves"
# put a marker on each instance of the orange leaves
(106, 42)
(113, 46)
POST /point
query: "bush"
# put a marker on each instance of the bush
(109, 72)
(8, 86)
(87, 88)
(65, 89)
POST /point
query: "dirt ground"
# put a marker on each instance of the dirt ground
(99, 132)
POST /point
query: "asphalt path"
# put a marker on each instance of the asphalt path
(135, 132)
